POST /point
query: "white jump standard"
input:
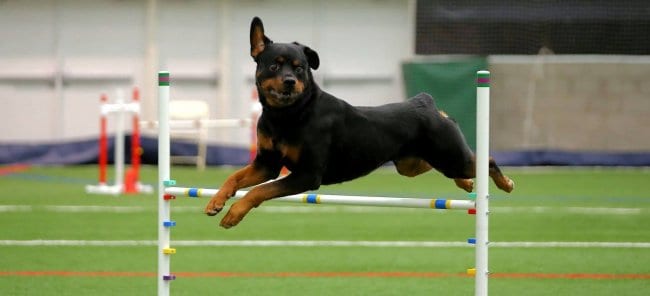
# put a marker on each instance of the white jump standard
(123, 183)
(168, 192)
(481, 271)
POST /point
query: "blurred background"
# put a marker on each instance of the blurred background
(569, 87)
(569, 78)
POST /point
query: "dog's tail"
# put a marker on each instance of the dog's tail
(423, 100)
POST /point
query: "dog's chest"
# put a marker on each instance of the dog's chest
(290, 152)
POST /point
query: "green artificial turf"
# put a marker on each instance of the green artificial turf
(548, 205)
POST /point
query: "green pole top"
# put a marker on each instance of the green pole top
(483, 78)
(163, 78)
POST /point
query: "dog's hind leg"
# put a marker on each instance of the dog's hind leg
(463, 176)
(502, 181)
(413, 166)
(465, 184)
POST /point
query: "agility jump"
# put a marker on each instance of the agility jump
(123, 183)
(167, 192)
(375, 201)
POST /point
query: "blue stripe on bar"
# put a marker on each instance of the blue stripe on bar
(441, 204)
(193, 192)
(312, 198)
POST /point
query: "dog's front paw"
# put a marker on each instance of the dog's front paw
(213, 208)
(236, 213)
(216, 203)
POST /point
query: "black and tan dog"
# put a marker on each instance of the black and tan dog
(324, 140)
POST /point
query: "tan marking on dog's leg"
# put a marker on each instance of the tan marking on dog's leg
(292, 184)
(503, 182)
(465, 184)
(250, 175)
(411, 166)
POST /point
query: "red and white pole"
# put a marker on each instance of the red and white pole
(103, 142)
(135, 137)
(132, 175)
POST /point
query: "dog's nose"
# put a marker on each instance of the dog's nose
(289, 81)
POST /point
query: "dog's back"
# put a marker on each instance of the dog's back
(365, 138)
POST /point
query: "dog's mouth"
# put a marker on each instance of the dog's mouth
(281, 98)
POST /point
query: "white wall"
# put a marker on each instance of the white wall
(57, 57)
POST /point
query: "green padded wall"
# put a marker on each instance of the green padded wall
(451, 82)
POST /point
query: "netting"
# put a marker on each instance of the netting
(528, 27)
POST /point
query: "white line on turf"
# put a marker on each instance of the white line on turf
(310, 243)
(318, 209)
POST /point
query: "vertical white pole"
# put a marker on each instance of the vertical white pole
(482, 175)
(119, 142)
(164, 260)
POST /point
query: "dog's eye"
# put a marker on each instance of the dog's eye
(299, 70)
(274, 67)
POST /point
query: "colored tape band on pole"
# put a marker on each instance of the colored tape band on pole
(193, 192)
(163, 78)
(483, 79)
(312, 198)
(440, 204)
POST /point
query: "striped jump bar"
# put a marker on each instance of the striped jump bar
(376, 201)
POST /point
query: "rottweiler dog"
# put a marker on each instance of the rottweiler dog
(324, 140)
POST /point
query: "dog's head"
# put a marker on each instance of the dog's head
(283, 69)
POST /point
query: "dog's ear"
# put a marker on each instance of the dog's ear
(259, 41)
(312, 56)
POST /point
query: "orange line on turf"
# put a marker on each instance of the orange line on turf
(59, 273)
(573, 276)
(12, 169)
(588, 276)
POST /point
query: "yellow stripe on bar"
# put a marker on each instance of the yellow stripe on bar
(169, 251)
